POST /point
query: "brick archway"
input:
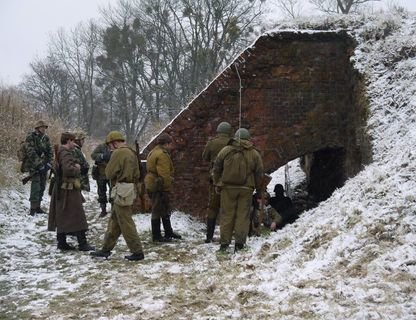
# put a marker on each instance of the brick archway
(300, 94)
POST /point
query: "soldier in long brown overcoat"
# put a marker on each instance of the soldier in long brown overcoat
(66, 213)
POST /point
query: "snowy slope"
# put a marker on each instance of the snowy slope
(352, 257)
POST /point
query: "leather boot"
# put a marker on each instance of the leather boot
(62, 244)
(169, 234)
(135, 256)
(156, 234)
(33, 208)
(82, 242)
(238, 247)
(223, 248)
(100, 253)
(103, 209)
(210, 230)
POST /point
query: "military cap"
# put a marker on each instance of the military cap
(164, 138)
(40, 123)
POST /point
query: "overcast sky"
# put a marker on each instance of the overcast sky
(25, 27)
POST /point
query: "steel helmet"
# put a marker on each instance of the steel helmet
(114, 136)
(242, 134)
(224, 127)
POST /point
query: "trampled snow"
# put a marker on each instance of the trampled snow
(352, 257)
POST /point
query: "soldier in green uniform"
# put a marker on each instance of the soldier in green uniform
(263, 216)
(101, 155)
(124, 173)
(212, 148)
(238, 171)
(38, 163)
(82, 161)
(158, 182)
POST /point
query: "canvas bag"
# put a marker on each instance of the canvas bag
(235, 167)
(123, 194)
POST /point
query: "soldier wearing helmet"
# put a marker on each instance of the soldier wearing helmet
(158, 182)
(101, 155)
(212, 148)
(237, 172)
(38, 161)
(80, 137)
(124, 173)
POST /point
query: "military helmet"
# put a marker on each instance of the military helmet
(114, 136)
(242, 134)
(224, 127)
(40, 123)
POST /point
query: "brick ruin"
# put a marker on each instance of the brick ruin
(300, 97)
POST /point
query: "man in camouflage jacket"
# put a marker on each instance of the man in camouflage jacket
(38, 163)
(81, 160)
(101, 155)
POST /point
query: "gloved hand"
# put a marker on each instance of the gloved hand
(105, 156)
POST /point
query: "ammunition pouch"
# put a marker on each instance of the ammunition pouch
(123, 194)
(71, 184)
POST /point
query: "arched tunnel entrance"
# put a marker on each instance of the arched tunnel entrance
(298, 94)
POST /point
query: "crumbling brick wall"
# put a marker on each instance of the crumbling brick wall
(299, 94)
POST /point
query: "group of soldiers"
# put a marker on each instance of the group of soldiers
(117, 169)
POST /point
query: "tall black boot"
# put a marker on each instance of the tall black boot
(156, 234)
(210, 230)
(169, 234)
(82, 242)
(238, 247)
(103, 209)
(62, 244)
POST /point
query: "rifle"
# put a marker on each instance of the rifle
(29, 177)
(142, 170)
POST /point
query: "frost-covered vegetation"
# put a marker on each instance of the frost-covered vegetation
(352, 257)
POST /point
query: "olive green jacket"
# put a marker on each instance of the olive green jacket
(160, 164)
(123, 166)
(214, 146)
(254, 162)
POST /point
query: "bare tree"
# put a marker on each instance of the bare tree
(290, 8)
(339, 6)
(76, 52)
(49, 87)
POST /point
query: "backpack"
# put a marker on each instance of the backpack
(235, 168)
(22, 155)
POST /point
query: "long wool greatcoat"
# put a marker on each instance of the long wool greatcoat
(66, 213)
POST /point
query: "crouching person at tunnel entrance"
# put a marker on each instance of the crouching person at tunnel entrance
(238, 171)
(263, 217)
(124, 173)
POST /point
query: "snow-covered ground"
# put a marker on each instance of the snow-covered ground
(352, 257)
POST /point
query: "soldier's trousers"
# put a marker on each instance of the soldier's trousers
(214, 203)
(121, 223)
(235, 204)
(37, 187)
(102, 186)
(160, 205)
